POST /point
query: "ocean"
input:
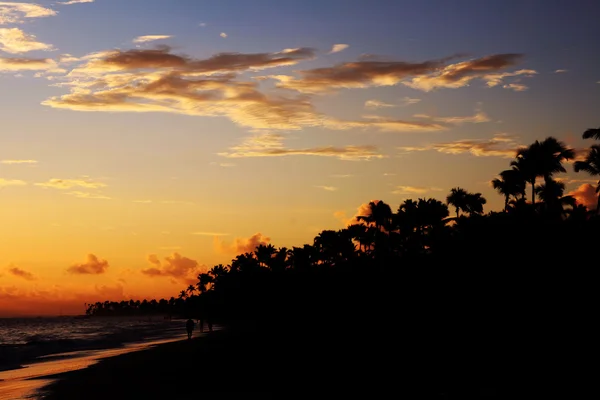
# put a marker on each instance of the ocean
(32, 349)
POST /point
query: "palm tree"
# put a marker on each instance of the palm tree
(475, 203)
(542, 159)
(191, 289)
(592, 134)
(264, 254)
(458, 199)
(551, 193)
(380, 215)
(591, 165)
(509, 184)
(182, 294)
(203, 280)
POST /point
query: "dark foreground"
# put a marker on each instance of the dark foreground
(317, 362)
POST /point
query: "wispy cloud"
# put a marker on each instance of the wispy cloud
(426, 75)
(500, 145)
(70, 2)
(415, 190)
(328, 188)
(223, 35)
(18, 272)
(341, 175)
(271, 145)
(14, 12)
(182, 202)
(13, 162)
(586, 195)
(71, 183)
(517, 87)
(11, 182)
(561, 71)
(210, 234)
(378, 104)
(336, 48)
(87, 195)
(150, 38)
(14, 41)
(405, 101)
(8, 64)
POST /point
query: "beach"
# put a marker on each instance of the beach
(276, 363)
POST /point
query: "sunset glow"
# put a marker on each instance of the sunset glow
(136, 153)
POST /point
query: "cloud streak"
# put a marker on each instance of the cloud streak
(71, 2)
(14, 12)
(11, 182)
(150, 38)
(14, 41)
(271, 145)
(15, 162)
(71, 183)
(500, 145)
(20, 273)
(336, 48)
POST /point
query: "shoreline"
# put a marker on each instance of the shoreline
(25, 380)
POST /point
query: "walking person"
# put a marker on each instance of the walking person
(189, 327)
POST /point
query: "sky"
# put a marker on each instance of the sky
(145, 141)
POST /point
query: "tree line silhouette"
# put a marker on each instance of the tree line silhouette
(420, 266)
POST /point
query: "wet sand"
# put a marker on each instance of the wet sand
(24, 382)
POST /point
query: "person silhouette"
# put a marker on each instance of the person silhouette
(189, 327)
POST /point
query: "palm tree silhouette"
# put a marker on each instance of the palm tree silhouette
(381, 215)
(593, 133)
(509, 184)
(542, 159)
(475, 203)
(182, 294)
(204, 280)
(264, 254)
(191, 289)
(458, 198)
(591, 164)
(551, 192)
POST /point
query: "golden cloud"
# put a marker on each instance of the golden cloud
(271, 145)
(328, 188)
(461, 74)
(70, 2)
(500, 145)
(240, 245)
(150, 38)
(11, 182)
(26, 64)
(87, 195)
(175, 266)
(12, 162)
(415, 190)
(71, 183)
(14, 40)
(336, 48)
(18, 272)
(586, 194)
(14, 12)
(424, 76)
(93, 266)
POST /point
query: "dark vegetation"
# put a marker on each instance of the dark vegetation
(500, 299)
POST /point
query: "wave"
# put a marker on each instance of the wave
(38, 347)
